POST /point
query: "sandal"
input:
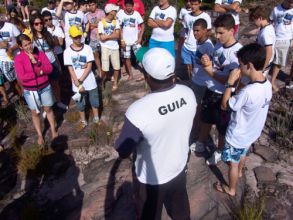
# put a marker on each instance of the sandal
(222, 188)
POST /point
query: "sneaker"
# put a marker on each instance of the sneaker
(199, 147)
(96, 120)
(62, 106)
(214, 159)
(81, 125)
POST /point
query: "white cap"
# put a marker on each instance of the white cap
(111, 7)
(159, 63)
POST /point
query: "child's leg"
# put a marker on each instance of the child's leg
(129, 68)
(98, 62)
(241, 165)
(37, 124)
(115, 61)
(26, 12)
(105, 53)
(275, 71)
(233, 178)
(51, 119)
(4, 94)
(17, 88)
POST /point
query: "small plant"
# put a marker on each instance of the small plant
(100, 134)
(72, 117)
(21, 111)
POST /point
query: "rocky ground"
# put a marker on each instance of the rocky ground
(81, 176)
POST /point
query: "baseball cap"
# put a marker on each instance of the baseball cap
(68, 1)
(159, 63)
(74, 31)
(111, 7)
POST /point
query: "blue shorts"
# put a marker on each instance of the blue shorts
(232, 154)
(168, 45)
(43, 97)
(92, 95)
(187, 56)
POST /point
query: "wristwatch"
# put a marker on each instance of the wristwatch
(227, 85)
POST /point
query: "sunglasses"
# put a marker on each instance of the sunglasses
(38, 23)
(49, 19)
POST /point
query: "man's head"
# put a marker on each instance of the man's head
(251, 58)
(258, 14)
(83, 5)
(288, 4)
(187, 3)
(200, 29)
(76, 34)
(68, 5)
(111, 10)
(47, 17)
(195, 5)
(224, 25)
(159, 65)
(51, 4)
(92, 5)
(129, 5)
(163, 2)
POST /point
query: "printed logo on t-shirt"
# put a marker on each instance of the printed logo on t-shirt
(4, 36)
(287, 19)
(79, 61)
(267, 102)
(128, 22)
(109, 29)
(160, 16)
(75, 21)
(94, 20)
(165, 109)
(227, 2)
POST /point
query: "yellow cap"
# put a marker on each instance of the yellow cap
(74, 31)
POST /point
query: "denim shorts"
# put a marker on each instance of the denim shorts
(168, 45)
(55, 72)
(42, 97)
(95, 45)
(232, 154)
(92, 96)
(187, 56)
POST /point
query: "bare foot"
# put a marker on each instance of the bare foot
(130, 77)
(223, 189)
(41, 141)
(54, 135)
(275, 88)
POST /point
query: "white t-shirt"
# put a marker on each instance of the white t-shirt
(229, 2)
(129, 24)
(249, 112)
(189, 19)
(160, 34)
(224, 61)
(267, 37)
(71, 19)
(183, 12)
(163, 153)
(8, 32)
(199, 75)
(55, 20)
(79, 61)
(283, 23)
(109, 28)
(42, 45)
(56, 31)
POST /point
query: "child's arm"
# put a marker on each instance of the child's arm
(59, 9)
(86, 72)
(269, 54)
(140, 34)
(164, 24)
(222, 8)
(233, 77)
(152, 23)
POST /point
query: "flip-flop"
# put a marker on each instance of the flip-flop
(139, 79)
(221, 188)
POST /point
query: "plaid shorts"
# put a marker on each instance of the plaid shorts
(128, 48)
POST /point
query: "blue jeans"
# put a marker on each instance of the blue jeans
(92, 95)
(169, 45)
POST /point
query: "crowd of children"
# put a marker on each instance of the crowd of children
(73, 37)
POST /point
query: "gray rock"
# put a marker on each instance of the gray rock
(264, 175)
(266, 153)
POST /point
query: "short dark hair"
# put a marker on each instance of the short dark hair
(21, 38)
(225, 21)
(46, 14)
(259, 12)
(92, 1)
(130, 2)
(201, 22)
(82, 2)
(195, 1)
(253, 53)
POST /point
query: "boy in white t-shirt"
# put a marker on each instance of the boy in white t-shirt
(109, 33)
(183, 11)
(162, 20)
(131, 34)
(51, 7)
(249, 112)
(266, 35)
(79, 58)
(188, 51)
(232, 7)
(282, 17)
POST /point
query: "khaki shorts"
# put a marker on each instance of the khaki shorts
(281, 52)
(107, 55)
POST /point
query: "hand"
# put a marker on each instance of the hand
(234, 76)
(103, 38)
(9, 52)
(82, 89)
(32, 58)
(3, 44)
(139, 41)
(123, 45)
(206, 61)
(76, 82)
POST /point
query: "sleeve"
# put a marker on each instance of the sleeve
(153, 13)
(60, 33)
(101, 28)
(180, 16)
(268, 39)
(117, 25)
(129, 138)
(67, 58)
(89, 54)
(209, 21)
(139, 19)
(172, 14)
(15, 31)
(236, 102)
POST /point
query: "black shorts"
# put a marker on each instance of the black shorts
(24, 3)
(212, 112)
(149, 199)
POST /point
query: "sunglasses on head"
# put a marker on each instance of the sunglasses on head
(38, 23)
(48, 19)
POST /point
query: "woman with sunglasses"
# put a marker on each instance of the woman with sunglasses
(45, 42)
(33, 68)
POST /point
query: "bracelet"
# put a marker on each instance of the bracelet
(80, 82)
